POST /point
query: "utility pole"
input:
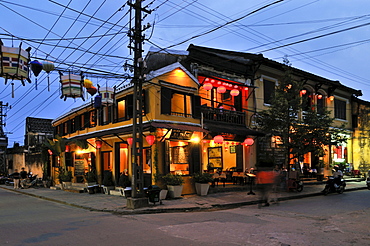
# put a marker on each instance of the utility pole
(137, 120)
(3, 139)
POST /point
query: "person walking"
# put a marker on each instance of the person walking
(265, 180)
(15, 177)
(24, 176)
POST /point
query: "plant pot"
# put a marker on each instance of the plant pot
(163, 194)
(66, 184)
(202, 189)
(174, 190)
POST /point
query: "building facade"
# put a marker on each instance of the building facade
(198, 115)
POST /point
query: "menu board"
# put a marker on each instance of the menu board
(79, 167)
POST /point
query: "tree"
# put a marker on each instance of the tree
(58, 146)
(301, 129)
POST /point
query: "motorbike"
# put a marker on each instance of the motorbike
(294, 184)
(331, 186)
(368, 180)
(31, 181)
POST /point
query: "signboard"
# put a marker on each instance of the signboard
(79, 167)
(181, 134)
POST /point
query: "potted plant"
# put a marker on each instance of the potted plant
(202, 181)
(65, 177)
(174, 184)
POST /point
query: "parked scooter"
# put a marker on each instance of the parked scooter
(368, 179)
(332, 186)
(30, 182)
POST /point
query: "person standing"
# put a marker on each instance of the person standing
(15, 177)
(24, 176)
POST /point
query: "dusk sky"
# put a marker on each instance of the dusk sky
(329, 38)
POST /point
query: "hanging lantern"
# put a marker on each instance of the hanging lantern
(234, 92)
(207, 86)
(14, 63)
(48, 66)
(221, 89)
(150, 139)
(218, 139)
(88, 83)
(92, 90)
(50, 152)
(36, 68)
(71, 85)
(303, 92)
(98, 144)
(249, 141)
(130, 140)
(319, 96)
(67, 148)
(107, 95)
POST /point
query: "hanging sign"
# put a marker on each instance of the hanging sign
(181, 134)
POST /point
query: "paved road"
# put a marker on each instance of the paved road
(338, 220)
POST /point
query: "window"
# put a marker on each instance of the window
(320, 103)
(268, 91)
(340, 109)
(179, 158)
(306, 100)
(121, 110)
(177, 103)
(181, 105)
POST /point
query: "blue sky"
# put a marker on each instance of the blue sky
(325, 37)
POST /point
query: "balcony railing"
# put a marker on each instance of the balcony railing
(222, 115)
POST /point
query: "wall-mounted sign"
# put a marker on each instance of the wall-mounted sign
(181, 134)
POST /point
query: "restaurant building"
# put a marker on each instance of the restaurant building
(198, 115)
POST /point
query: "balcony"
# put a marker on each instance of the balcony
(222, 115)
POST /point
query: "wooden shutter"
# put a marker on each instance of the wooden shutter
(196, 106)
(166, 95)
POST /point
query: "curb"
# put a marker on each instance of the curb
(213, 207)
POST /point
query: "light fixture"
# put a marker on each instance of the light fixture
(98, 144)
(221, 89)
(129, 141)
(207, 86)
(50, 152)
(331, 98)
(150, 139)
(67, 148)
(303, 92)
(249, 141)
(218, 139)
(319, 96)
(234, 92)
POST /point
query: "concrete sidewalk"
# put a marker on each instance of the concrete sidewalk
(213, 201)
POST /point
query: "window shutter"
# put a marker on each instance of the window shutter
(196, 106)
(238, 102)
(130, 105)
(166, 95)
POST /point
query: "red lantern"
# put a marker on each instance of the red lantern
(218, 139)
(50, 152)
(249, 141)
(234, 92)
(67, 148)
(319, 96)
(303, 92)
(221, 89)
(150, 139)
(98, 144)
(129, 141)
(207, 86)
